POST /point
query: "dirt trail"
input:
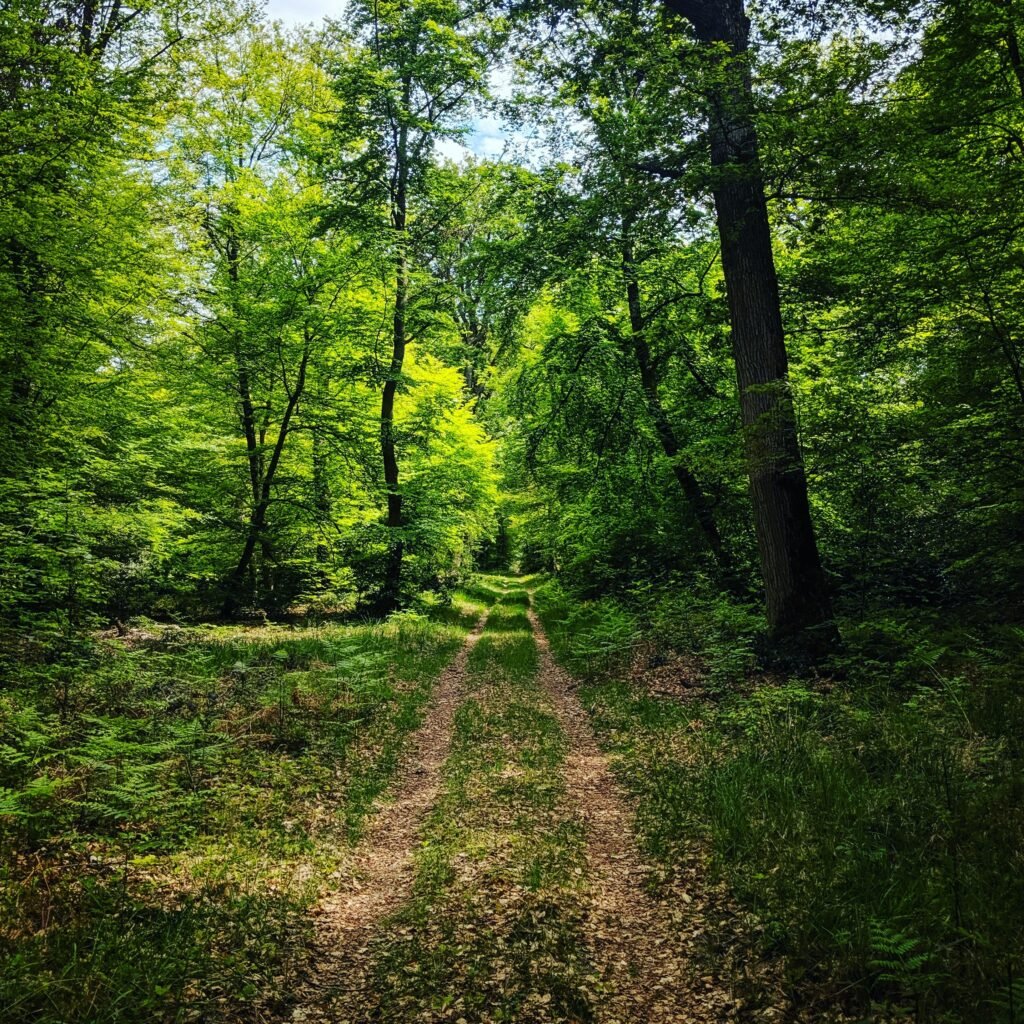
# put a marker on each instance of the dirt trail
(638, 953)
(382, 864)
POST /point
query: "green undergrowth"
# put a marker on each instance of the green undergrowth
(172, 802)
(871, 823)
(486, 590)
(493, 930)
(509, 618)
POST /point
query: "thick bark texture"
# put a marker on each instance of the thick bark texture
(798, 603)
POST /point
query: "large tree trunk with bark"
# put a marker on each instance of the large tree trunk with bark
(798, 604)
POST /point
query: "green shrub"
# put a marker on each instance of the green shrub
(696, 619)
(593, 638)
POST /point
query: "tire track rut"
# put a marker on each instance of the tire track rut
(645, 971)
(382, 864)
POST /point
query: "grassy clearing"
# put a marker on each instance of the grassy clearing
(493, 931)
(873, 828)
(169, 810)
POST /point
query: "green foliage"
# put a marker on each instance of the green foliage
(692, 618)
(208, 226)
(163, 806)
(871, 827)
(595, 638)
(899, 959)
(124, 960)
(189, 434)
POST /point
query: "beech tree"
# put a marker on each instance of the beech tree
(84, 89)
(406, 77)
(796, 591)
(270, 287)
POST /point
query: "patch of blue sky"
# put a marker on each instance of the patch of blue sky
(486, 139)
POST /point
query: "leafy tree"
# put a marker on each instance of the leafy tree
(272, 291)
(82, 268)
(797, 597)
(405, 80)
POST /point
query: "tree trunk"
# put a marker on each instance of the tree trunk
(253, 443)
(693, 493)
(1011, 39)
(798, 604)
(256, 533)
(321, 483)
(391, 590)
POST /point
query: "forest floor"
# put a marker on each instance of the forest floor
(397, 822)
(501, 881)
(431, 820)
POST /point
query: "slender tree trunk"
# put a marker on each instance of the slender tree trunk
(252, 445)
(321, 484)
(688, 482)
(1006, 341)
(1012, 41)
(391, 591)
(16, 372)
(474, 337)
(256, 533)
(253, 442)
(254, 457)
(798, 604)
(1004, 338)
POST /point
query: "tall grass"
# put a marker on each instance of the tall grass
(873, 826)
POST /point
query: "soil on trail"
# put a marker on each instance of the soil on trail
(382, 864)
(643, 951)
(641, 955)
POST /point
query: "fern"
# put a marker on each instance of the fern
(899, 958)
(602, 636)
(1009, 1001)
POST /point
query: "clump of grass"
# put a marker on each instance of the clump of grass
(464, 610)
(134, 952)
(514, 651)
(484, 590)
(872, 827)
(508, 618)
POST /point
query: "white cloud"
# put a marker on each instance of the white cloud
(449, 149)
(489, 145)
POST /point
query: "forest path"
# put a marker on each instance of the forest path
(641, 957)
(505, 883)
(382, 864)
